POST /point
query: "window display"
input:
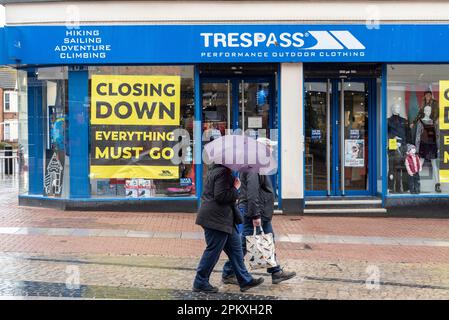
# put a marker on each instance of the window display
(23, 143)
(398, 137)
(55, 110)
(414, 129)
(141, 131)
(414, 167)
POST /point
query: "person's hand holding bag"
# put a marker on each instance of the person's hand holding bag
(237, 183)
(257, 222)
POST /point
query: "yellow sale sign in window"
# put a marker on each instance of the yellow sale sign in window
(443, 122)
(133, 123)
(135, 100)
(392, 144)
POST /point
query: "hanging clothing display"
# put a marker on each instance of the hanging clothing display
(435, 111)
(420, 115)
(397, 174)
(426, 139)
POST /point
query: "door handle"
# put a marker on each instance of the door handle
(342, 136)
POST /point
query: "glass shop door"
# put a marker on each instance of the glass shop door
(337, 137)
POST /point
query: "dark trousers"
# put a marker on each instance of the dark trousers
(218, 241)
(414, 183)
(397, 173)
(248, 230)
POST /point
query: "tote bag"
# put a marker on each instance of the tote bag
(260, 250)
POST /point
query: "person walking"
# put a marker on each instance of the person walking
(219, 217)
(256, 203)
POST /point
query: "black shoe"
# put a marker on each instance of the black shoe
(206, 289)
(253, 283)
(230, 280)
(438, 188)
(282, 275)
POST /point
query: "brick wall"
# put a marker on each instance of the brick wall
(5, 116)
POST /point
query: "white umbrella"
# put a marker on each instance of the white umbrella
(241, 153)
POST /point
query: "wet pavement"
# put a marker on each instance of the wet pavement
(291, 238)
(51, 254)
(148, 277)
(37, 289)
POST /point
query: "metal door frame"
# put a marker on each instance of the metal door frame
(235, 82)
(272, 114)
(337, 147)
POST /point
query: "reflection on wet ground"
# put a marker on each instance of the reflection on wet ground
(32, 289)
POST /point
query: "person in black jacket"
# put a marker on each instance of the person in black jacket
(256, 203)
(219, 216)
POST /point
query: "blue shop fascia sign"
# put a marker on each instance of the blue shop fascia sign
(118, 44)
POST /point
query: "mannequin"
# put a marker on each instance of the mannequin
(414, 166)
(428, 100)
(427, 143)
(398, 129)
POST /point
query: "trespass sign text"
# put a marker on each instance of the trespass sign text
(311, 40)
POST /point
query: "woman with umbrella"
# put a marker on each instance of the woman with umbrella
(256, 202)
(219, 217)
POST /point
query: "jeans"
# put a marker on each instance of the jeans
(216, 242)
(248, 230)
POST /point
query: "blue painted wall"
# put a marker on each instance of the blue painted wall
(79, 134)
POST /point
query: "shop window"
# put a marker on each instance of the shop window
(51, 85)
(54, 84)
(141, 131)
(22, 148)
(417, 125)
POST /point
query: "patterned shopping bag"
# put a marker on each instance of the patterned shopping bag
(260, 250)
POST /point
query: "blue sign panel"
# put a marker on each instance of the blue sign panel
(3, 54)
(224, 43)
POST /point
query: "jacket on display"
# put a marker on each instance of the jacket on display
(426, 139)
(218, 209)
(398, 127)
(413, 164)
(256, 196)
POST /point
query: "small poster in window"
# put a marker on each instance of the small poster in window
(392, 144)
(105, 188)
(132, 188)
(316, 135)
(147, 189)
(255, 122)
(354, 134)
(185, 182)
(354, 153)
(54, 173)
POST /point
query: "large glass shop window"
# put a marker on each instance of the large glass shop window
(56, 155)
(418, 129)
(141, 131)
(22, 149)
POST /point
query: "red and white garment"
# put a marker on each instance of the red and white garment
(413, 164)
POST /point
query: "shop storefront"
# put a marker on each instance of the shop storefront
(116, 116)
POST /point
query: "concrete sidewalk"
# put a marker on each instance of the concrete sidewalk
(154, 256)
